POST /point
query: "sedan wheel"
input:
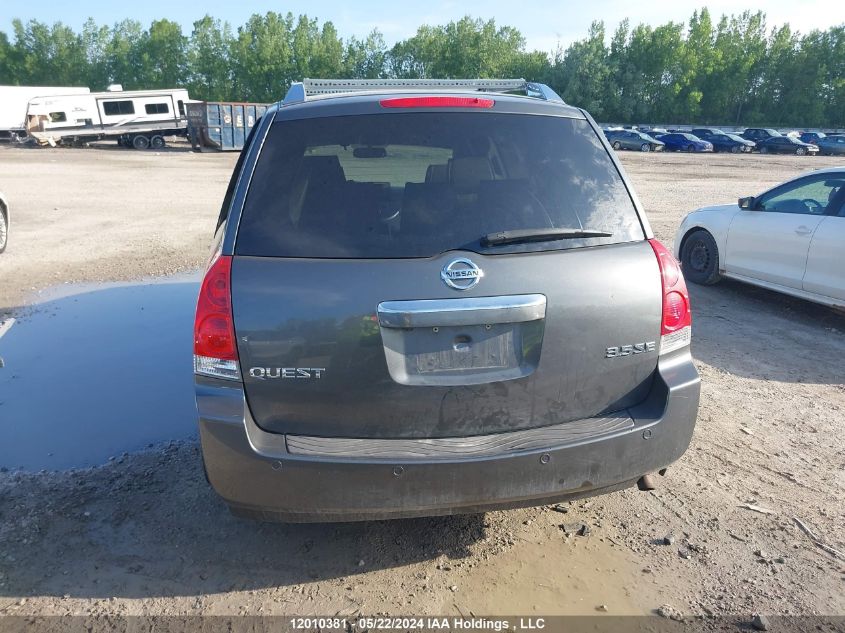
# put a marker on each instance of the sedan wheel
(700, 258)
(764, 150)
(4, 229)
(800, 151)
(735, 149)
(645, 147)
(690, 148)
(616, 145)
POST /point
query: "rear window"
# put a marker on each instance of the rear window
(416, 184)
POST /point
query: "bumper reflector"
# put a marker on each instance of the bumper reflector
(675, 340)
(217, 367)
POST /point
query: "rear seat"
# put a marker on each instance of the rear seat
(325, 185)
(430, 212)
(466, 174)
(435, 207)
(510, 204)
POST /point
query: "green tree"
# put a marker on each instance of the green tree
(585, 71)
(95, 40)
(367, 58)
(209, 74)
(728, 72)
(8, 70)
(163, 55)
(123, 55)
(46, 54)
(466, 48)
(262, 57)
(775, 79)
(741, 47)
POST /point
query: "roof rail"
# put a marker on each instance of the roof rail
(300, 91)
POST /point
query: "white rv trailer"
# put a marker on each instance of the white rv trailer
(134, 118)
(13, 103)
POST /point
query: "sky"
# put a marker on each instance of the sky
(545, 24)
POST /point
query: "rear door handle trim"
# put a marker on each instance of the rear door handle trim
(464, 311)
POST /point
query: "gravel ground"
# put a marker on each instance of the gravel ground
(144, 534)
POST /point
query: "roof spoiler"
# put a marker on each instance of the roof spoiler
(301, 90)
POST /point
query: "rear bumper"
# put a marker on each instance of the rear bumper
(254, 472)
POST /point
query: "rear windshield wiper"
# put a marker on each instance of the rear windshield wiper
(538, 235)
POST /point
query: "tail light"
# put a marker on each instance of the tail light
(215, 349)
(437, 102)
(676, 322)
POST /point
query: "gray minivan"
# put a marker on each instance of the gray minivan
(433, 297)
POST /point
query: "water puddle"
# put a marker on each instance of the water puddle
(93, 371)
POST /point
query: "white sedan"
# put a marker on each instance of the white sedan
(790, 239)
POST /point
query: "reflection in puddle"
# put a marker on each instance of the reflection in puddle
(92, 374)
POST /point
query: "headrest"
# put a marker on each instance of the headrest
(323, 170)
(437, 173)
(467, 173)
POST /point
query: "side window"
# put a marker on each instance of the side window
(116, 108)
(156, 108)
(58, 117)
(181, 105)
(233, 181)
(807, 197)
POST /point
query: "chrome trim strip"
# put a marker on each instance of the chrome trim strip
(453, 448)
(468, 311)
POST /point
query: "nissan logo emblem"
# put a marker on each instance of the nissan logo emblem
(461, 274)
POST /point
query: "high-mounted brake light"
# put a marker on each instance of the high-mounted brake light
(437, 102)
(676, 321)
(215, 349)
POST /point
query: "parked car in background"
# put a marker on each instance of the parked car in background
(812, 137)
(628, 139)
(786, 145)
(442, 371)
(702, 132)
(758, 134)
(831, 145)
(684, 142)
(5, 219)
(729, 143)
(788, 239)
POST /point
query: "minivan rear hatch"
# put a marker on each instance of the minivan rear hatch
(414, 273)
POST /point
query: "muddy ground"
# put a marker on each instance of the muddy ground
(145, 535)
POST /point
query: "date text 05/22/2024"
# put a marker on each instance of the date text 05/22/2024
(418, 623)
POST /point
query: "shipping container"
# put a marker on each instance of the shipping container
(224, 126)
